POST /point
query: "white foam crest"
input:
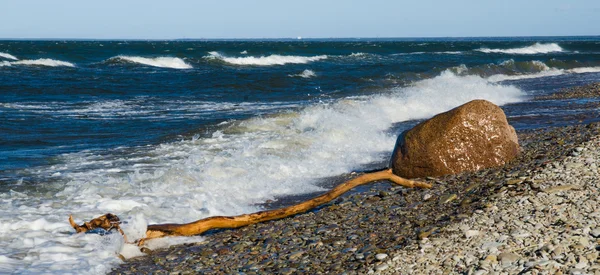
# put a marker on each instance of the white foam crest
(162, 62)
(545, 73)
(227, 173)
(358, 54)
(5, 64)
(44, 62)
(305, 74)
(270, 60)
(536, 48)
(8, 56)
(583, 70)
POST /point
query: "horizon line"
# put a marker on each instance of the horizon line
(299, 38)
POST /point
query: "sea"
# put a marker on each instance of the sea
(179, 130)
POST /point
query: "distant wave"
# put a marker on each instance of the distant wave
(162, 62)
(304, 74)
(515, 70)
(270, 60)
(8, 56)
(358, 54)
(549, 72)
(44, 62)
(584, 70)
(536, 48)
(444, 52)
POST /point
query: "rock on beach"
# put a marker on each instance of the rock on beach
(470, 137)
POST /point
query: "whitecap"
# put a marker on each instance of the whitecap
(358, 54)
(162, 62)
(270, 60)
(536, 48)
(44, 62)
(8, 56)
(584, 70)
(305, 74)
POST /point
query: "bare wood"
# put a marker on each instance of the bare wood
(203, 225)
(107, 222)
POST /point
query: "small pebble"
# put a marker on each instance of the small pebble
(381, 256)
(381, 267)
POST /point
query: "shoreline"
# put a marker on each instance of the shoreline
(361, 232)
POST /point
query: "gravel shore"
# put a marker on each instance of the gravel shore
(536, 214)
(551, 227)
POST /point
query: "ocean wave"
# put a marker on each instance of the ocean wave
(536, 48)
(419, 53)
(544, 73)
(584, 70)
(162, 62)
(503, 77)
(507, 67)
(227, 172)
(270, 60)
(515, 70)
(8, 56)
(43, 62)
(304, 74)
(358, 54)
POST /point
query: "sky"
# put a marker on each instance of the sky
(154, 19)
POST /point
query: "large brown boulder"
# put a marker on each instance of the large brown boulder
(470, 137)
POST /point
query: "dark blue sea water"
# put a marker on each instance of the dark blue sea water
(148, 128)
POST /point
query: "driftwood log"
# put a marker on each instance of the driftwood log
(111, 221)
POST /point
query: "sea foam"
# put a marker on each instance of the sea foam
(8, 56)
(536, 48)
(162, 62)
(270, 60)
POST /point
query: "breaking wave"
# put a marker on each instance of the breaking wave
(270, 60)
(162, 62)
(514, 70)
(8, 56)
(43, 62)
(536, 48)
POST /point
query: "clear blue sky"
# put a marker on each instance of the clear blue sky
(153, 19)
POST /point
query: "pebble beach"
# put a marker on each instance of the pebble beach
(538, 214)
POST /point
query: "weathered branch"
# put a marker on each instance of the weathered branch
(203, 225)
